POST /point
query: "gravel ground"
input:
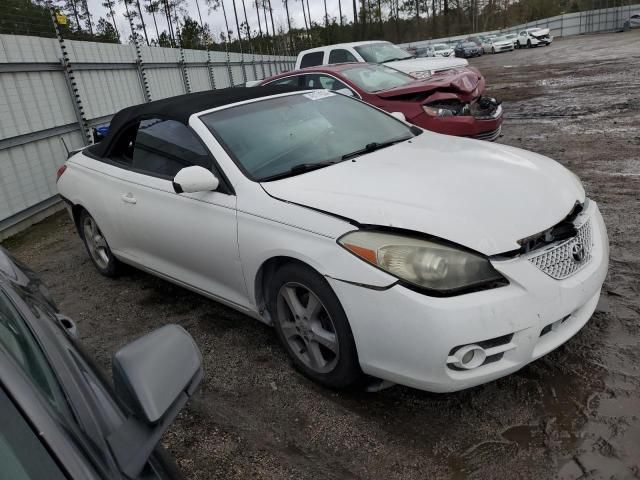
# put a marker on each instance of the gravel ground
(572, 414)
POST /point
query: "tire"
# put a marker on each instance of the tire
(97, 246)
(493, 50)
(528, 43)
(320, 344)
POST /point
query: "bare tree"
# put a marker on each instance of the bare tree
(109, 4)
(153, 7)
(87, 16)
(144, 27)
(286, 8)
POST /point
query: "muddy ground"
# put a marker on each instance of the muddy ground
(573, 414)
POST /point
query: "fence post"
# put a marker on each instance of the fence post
(70, 80)
(142, 76)
(185, 74)
(212, 76)
(229, 70)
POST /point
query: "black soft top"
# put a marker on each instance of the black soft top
(181, 107)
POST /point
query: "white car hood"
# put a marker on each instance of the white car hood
(477, 194)
(427, 63)
(504, 43)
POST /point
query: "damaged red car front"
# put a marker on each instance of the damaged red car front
(450, 102)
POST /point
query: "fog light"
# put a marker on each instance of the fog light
(469, 357)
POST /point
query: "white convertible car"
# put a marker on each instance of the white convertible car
(373, 247)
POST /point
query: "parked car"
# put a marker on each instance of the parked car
(513, 38)
(467, 50)
(476, 40)
(421, 51)
(533, 37)
(442, 50)
(60, 418)
(372, 246)
(486, 43)
(632, 22)
(376, 52)
(448, 102)
(500, 44)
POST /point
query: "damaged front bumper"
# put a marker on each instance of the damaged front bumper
(481, 119)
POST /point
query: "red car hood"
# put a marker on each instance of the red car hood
(467, 83)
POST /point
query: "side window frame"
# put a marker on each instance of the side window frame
(322, 54)
(224, 187)
(298, 78)
(321, 74)
(159, 175)
(329, 61)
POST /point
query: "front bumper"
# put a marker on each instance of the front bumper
(503, 48)
(463, 125)
(541, 41)
(406, 337)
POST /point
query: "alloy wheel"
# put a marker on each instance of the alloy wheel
(96, 243)
(307, 327)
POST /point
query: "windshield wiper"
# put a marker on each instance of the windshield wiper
(372, 147)
(298, 169)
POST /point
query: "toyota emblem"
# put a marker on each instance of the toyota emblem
(577, 252)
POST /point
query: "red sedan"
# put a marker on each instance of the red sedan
(449, 102)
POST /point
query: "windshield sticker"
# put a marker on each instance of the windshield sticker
(318, 94)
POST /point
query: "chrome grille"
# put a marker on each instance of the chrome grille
(563, 260)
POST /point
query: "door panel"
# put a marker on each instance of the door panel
(188, 237)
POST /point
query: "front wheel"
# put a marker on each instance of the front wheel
(493, 50)
(313, 327)
(528, 43)
(97, 247)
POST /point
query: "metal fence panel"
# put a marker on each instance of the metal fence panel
(41, 101)
(28, 172)
(33, 101)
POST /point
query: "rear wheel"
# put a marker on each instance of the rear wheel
(313, 328)
(97, 246)
(528, 43)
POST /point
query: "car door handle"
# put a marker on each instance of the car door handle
(128, 198)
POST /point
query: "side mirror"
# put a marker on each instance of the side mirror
(345, 91)
(154, 376)
(195, 179)
(399, 115)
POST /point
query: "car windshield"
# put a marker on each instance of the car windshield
(510, 36)
(382, 52)
(374, 78)
(283, 136)
(499, 39)
(440, 47)
(468, 45)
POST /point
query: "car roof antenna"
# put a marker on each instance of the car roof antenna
(64, 144)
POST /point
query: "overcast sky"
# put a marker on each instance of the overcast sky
(216, 20)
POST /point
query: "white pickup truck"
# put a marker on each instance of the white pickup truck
(377, 52)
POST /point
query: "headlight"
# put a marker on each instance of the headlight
(426, 264)
(421, 74)
(438, 112)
